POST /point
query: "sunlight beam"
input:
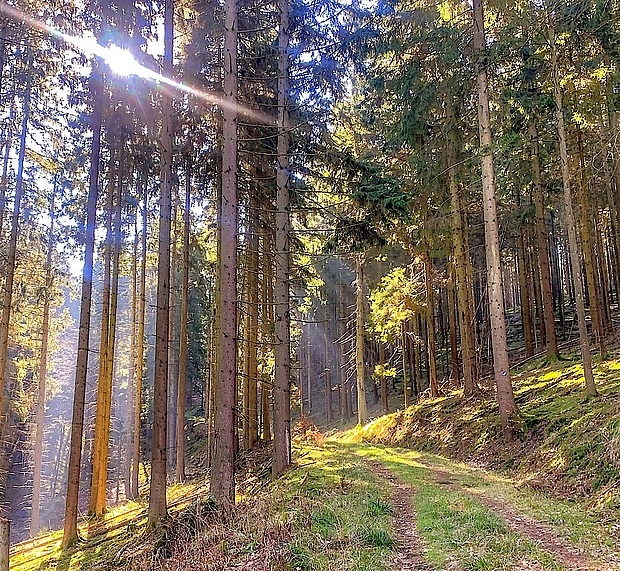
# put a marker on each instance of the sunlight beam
(123, 64)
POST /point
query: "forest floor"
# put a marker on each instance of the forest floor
(358, 507)
(429, 488)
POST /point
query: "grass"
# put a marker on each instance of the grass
(331, 513)
(569, 444)
(339, 511)
(456, 528)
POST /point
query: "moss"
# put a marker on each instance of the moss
(569, 443)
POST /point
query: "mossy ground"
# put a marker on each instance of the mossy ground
(568, 443)
(330, 513)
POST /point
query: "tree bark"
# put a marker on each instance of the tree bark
(223, 470)
(453, 325)
(501, 364)
(461, 261)
(252, 333)
(7, 296)
(157, 497)
(101, 442)
(362, 410)
(141, 315)
(406, 377)
(327, 378)
(543, 247)
(385, 407)
(526, 306)
(570, 220)
(77, 425)
(430, 325)
(183, 354)
(282, 395)
(42, 387)
(131, 382)
(588, 251)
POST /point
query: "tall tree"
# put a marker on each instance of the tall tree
(574, 252)
(501, 364)
(98, 489)
(141, 316)
(542, 244)
(157, 496)
(181, 393)
(42, 387)
(222, 465)
(77, 424)
(282, 394)
(7, 296)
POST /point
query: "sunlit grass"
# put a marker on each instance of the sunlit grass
(332, 511)
(570, 442)
(455, 527)
(44, 552)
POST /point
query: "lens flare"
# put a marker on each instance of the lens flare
(122, 63)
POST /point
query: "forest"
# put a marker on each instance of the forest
(310, 285)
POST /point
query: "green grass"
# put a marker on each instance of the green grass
(569, 443)
(454, 526)
(339, 510)
(330, 514)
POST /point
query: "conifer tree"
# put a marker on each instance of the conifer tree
(222, 466)
(157, 496)
(501, 365)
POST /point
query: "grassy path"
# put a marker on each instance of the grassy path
(408, 553)
(472, 520)
(349, 507)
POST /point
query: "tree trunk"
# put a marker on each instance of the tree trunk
(223, 470)
(587, 246)
(7, 296)
(131, 389)
(430, 325)
(453, 325)
(253, 300)
(182, 388)
(81, 369)
(173, 341)
(570, 222)
(385, 407)
(140, 344)
(362, 411)
(282, 395)
(543, 247)
(101, 442)
(526, 305)
(327, 378)
(42, 388)
(7, 143)
(461, 261)
(406, 379)
(157, 497)
(501, 365)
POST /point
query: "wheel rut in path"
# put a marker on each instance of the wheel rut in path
(538, 532)
(409, 547)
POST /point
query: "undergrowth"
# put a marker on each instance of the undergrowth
(329, 513)
(568, 445)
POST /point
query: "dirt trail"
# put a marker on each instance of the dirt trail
(537, 532)
(408, 552)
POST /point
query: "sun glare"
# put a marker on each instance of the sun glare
(123, 63)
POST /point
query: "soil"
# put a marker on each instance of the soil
(409, 548)
(535, 531)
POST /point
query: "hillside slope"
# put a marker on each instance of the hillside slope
(568, 444)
